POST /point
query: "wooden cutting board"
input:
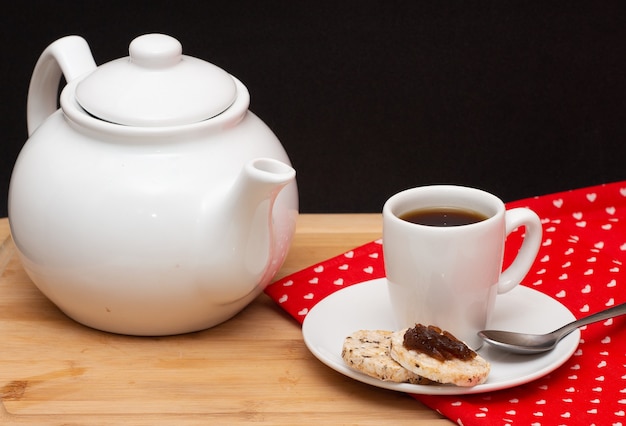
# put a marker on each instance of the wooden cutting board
(254, 368)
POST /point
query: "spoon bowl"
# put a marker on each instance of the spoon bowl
(524, 343)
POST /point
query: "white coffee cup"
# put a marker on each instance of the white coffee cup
(449, 276)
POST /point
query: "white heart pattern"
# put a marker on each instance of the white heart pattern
(579, 264)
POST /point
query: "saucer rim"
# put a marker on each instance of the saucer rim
(315, 332)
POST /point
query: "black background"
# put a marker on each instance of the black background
(369, 98)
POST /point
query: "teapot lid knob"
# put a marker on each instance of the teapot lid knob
(156, 86)
(155, 51)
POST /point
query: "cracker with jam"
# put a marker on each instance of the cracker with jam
(419, 355)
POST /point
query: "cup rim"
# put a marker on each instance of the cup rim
(454, 196)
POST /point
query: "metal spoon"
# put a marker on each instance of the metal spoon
(523, 343)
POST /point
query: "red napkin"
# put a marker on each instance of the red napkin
(579, 264)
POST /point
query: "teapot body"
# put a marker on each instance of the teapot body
(140, 231)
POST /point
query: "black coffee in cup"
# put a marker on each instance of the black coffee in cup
(443, 216)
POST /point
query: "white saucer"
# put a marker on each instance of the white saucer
(366, 306)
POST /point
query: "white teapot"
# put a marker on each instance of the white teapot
(152, 202)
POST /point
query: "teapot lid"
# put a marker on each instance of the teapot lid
(156, 86)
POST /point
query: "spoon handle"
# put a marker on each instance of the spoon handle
(598, 316)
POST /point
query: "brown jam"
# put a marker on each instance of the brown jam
(436, 343)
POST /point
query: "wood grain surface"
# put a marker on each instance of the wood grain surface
(254, 368)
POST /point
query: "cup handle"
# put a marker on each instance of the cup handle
(527, 254)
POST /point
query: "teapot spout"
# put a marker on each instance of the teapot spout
(250, 239)
(262, 179)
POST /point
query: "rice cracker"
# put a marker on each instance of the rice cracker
(367, 351)
(456, 371)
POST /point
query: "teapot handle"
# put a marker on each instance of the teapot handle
(69, 56)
